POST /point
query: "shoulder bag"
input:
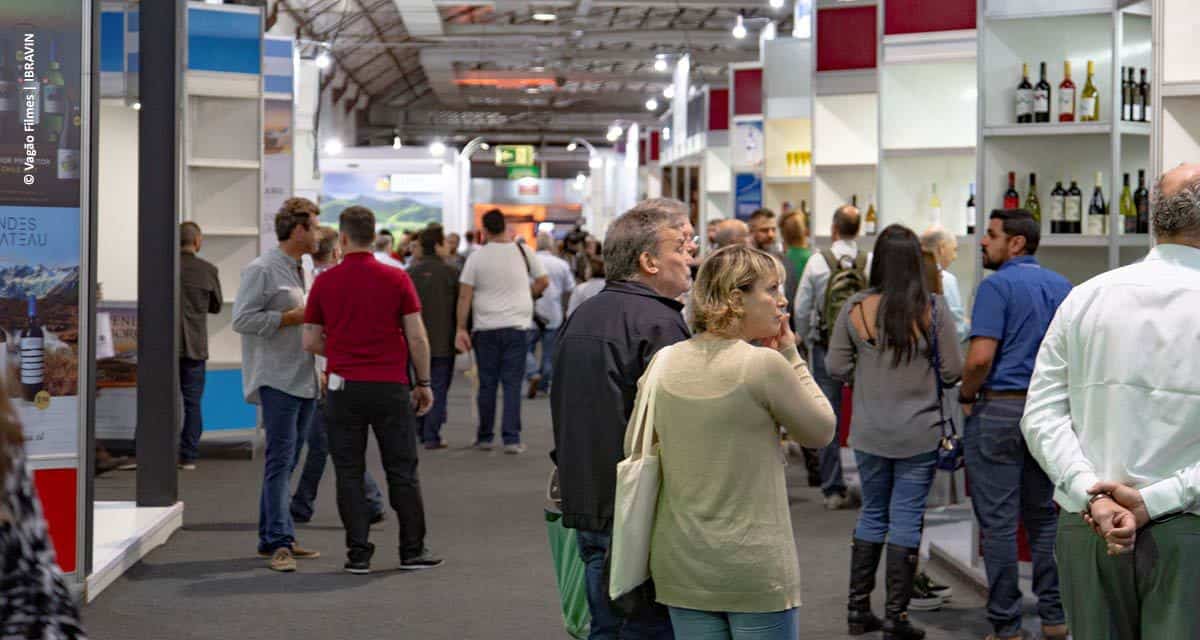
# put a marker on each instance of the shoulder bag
(949, 451)
(537, 317)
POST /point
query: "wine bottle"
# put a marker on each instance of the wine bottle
(1127, 210)
(1127, 91)
(1097, 222)
(1041, 98)
(54, 90)
(33, 359)
(1089, 100)
(1144, 98)
(1058, 203)
(854, 200)
(1032, 204)
(68, 147)
(1024, 97)
(871, 222)
(1073, 210)
(1012, 199)
(10, 98)
(970, 212)
(1141, 202)
(935, 207)
(1066, 95)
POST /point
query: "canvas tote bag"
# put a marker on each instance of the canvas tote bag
(638, 478)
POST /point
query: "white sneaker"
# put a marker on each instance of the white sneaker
(514, 449)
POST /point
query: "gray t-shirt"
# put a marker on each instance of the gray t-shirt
(895, 408)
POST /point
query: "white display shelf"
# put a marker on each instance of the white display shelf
(1041, 9)
(927, 152)
(936, 46)
(232, 231)
(1049, 129)
(1180, 89)
(907, 120)
(846, 166)
(1135, 128)
(224, 85)
(846, 129)
(1074, 240)
(785, 180)
(223, 163)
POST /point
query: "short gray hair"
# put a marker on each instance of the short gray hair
(383, 243)
(545, 241)
(934, 237)
(1176, 214)
(731, 232)
(636, 232)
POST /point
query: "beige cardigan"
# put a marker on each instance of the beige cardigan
(722, 537)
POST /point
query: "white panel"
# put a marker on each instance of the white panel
(1136, 50)
(223, 197)
(832, 189)
(782, 138)
(224, 128)
(774, 195)
(223, 85)
(717, 177)
(1033, 8)
(937, 46)
(224, 344)
(1007, 44)
(908, 120)
(230, 254)
(846, 129)
(1181, 41)
(908, 182)
(787, 82)
(117, 202)
(1181, 131)
(832, 83)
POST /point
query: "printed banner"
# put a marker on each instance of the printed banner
(749, 146)
(749, 195)
(277, 164)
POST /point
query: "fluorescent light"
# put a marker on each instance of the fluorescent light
(596, 162)
(485, 146)
(533, 90)
(739, 29)
(437, 148)
(660, 65)
(614, 133)
(323, 60)
(666, 134)
(776, 4)
(572, 146)
(651, 105)
(333, 147)
(397, 142)
(669, 92)
(545, 16)
(769, 31)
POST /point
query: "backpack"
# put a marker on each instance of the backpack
(846, 278)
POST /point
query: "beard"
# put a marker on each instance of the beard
(990, 264)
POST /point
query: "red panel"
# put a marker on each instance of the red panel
(846, 38)
(57, 489)
(718, 110)
(923, 16)
(748, 92)
(655, 143)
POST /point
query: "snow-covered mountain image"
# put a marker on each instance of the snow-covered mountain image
(20, 281)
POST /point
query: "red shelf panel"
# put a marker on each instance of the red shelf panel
(718, 110)
(846, 39)
(747, 92)
(924, 16)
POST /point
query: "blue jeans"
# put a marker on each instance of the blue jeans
(545, 367)
(441, 374)
(607, 623)
(500, 358)
(314, 467)
(191, 386)
(894, 491)
(1007, 485)
(832, 480)
(715, 625)
(285, 419)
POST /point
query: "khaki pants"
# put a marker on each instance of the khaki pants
(1150, 594)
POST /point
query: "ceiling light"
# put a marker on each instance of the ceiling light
(572, 146)
(669, 91)
(739, 29)
(660, 65)
(614, 133)
(776, 4)
(485, 146)
(333, 147)
(769, 31)
(540, 68)
(397, 142)
(666, 134)
(651, 105)
(545, 16)
(137, 106)
(323, 60)
(437, 148)
(596, 162)
(533, 90)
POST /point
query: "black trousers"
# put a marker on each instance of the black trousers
(386, 407)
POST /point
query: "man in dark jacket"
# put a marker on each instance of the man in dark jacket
(603, 349)
(436, 280)
(200, 294)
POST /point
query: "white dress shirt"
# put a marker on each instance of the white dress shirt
(387, 259)
(1115, 395)
(954, 301)
(562, 283)
(810, 295)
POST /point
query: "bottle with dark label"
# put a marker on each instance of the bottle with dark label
(1097, 222)
(1089, 99)
(33, 358)
(1141, 202)
(1032, 204)
(1024, 97)
(10, 97)
(970, 213)
(1058, 202)
(1144, 98)
(1128, 89)
(68, 147)
(1066, 95)
(1012, 199)
(1073, 210)
(1127, 210)
(1041, 98)
(54, 98)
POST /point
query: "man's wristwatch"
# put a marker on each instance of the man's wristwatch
(1096, 497)
(965, 400)
(424, 383)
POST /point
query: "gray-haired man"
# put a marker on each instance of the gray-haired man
(604, 348)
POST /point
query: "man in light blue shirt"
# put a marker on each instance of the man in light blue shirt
(549, 310)
(944, 247)
(1114, 419)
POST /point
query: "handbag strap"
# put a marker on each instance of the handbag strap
(935, 361)
(640, 437)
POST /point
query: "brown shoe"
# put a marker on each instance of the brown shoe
(282, 560)
(534, 382)
(304, 554)
(1055, 632)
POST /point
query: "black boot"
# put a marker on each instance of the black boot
(901, 570)
(864, 560)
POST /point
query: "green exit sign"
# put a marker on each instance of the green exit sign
(517, 173)
(520, 155)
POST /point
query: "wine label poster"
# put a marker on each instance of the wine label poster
(277, 165)
(40, 110)
(39, 323)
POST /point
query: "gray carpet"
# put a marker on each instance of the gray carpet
(485, 517)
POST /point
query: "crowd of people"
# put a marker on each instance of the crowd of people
(1080, 407)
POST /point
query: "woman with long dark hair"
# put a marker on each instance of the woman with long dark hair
(883, 345)
(34, 599)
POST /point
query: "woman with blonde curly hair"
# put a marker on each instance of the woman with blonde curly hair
(722, 556)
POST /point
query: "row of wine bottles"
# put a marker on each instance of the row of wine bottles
(1066, 206)
(1135, 97)
(1033, 101)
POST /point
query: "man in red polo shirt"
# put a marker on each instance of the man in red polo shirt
(365, 317)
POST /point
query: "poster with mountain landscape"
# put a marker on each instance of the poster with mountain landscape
(397, 207)
(39, 322)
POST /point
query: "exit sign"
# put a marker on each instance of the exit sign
(521, 155)
(517, 173)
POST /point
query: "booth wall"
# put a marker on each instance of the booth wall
(117, 202)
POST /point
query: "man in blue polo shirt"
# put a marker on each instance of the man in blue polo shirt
(1013, 309)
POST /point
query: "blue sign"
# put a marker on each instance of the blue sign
(749, 195)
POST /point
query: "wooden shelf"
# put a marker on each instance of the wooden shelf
(222, 163)
(1048, 129)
